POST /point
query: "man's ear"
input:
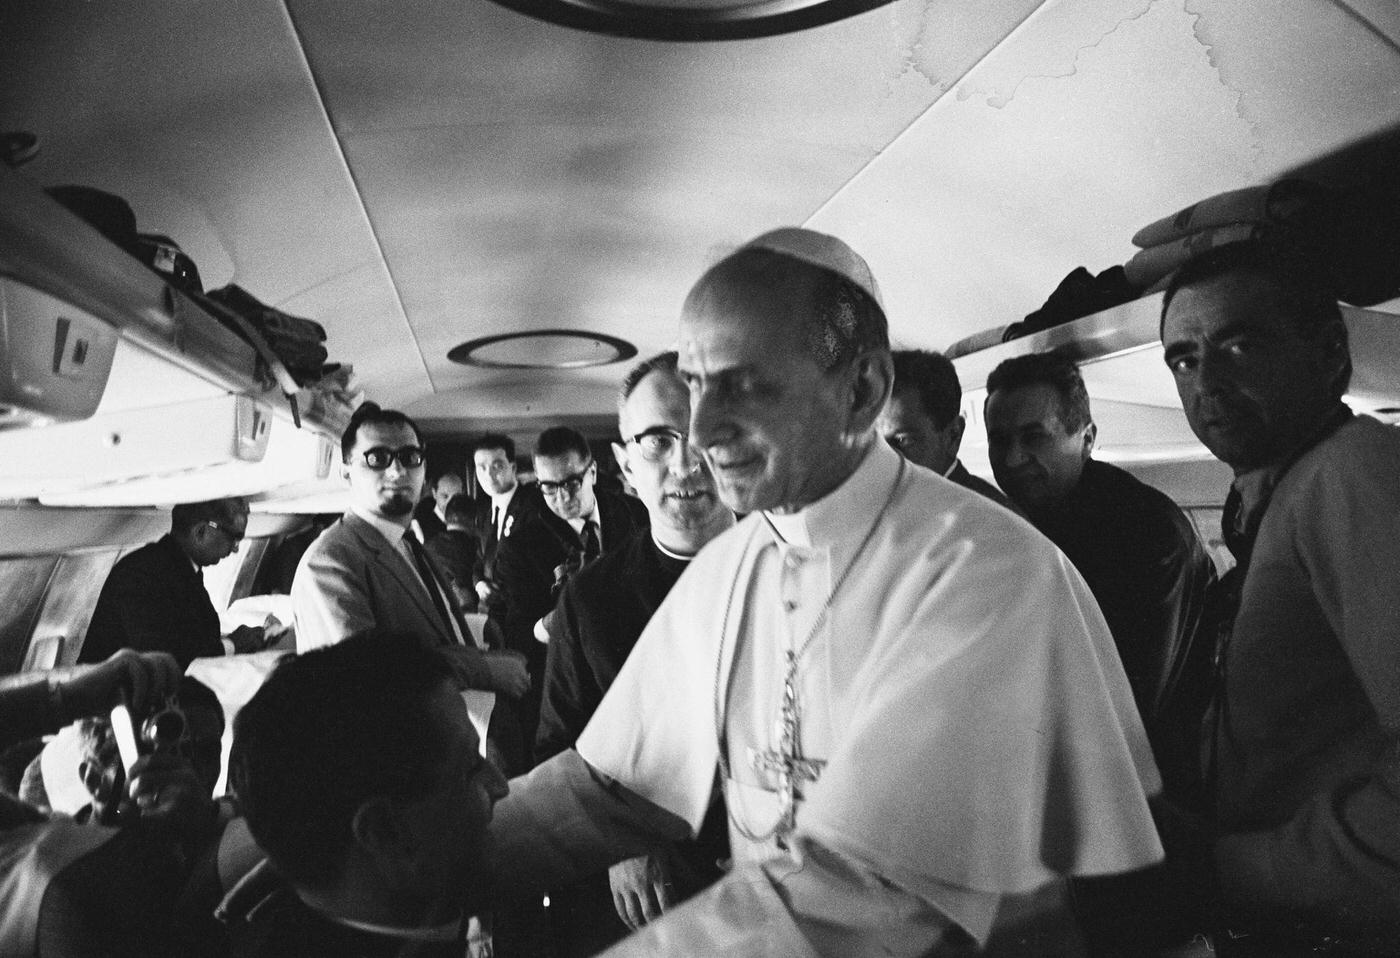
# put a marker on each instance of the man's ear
(1091, 433)
(91, 775)
(620, 454)
(871, 383)
(954, 431)
(376, 830)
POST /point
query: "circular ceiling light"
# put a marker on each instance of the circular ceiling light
(691, 19)
(543, 349)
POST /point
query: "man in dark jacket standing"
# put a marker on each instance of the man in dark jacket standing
(601, 613)
(540, 554)
(1137, 551)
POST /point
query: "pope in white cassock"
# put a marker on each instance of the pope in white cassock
(907, 696)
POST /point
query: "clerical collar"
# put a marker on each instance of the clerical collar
(843, 515)
(667, 552)
(392, 531)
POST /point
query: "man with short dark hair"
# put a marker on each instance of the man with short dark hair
(923, 420)
(1304, 735)
(456, 549)
(580, 523)
(431, 513)
(154, 599)
(363, 779)
(1135, 548)
(367, 571)
(912, 760)
(509, 502)
(601, 613)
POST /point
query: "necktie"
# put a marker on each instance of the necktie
(430, 581)
(496, 522)
(592, 547)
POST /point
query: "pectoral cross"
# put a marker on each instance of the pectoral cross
(787, 762)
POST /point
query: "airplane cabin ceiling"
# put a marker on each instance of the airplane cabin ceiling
(419, 173)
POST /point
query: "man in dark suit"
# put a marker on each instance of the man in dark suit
(539, 555)
(601, 614)
(431, 513)
(154, 600)
(509, 503)
(456, 548)
(923, 423)
(367, 571)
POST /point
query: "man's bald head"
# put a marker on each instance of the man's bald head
(786, 351)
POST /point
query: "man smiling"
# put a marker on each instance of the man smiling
(601, 613)
(906, 762)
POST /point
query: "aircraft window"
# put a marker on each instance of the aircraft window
(69, 605)
(23, 583)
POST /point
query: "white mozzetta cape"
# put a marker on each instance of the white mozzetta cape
(964, 691)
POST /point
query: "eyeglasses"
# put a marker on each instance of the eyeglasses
(569, 485)
(234, 537)
(378, 458)
(658, 443)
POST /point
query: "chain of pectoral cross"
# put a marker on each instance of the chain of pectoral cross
(787, 761)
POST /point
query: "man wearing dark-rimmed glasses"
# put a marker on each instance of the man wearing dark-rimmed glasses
(154, 600)
(367, 571)
(579, 524)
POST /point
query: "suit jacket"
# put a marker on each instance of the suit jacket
(351, 579)
(962, 477)
(525, 583)
(526, 504)
(154, 601)
(526, 561)
(455, 552)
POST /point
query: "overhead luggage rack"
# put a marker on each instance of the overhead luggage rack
(46, 248)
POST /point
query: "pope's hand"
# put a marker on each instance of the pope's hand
(642, 889)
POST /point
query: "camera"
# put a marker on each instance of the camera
(165, 730)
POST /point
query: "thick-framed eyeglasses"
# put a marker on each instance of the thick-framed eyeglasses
(659, 443)
(378, 458)
(568, 486)
(232, 535)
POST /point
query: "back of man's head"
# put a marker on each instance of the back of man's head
(459, 511)
(932, 377)
(559, 441)
(1047, 369)
(327, 732)
(225, 512)
(370, 413)
(1306, 297)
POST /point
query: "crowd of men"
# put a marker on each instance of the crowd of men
(812, 679)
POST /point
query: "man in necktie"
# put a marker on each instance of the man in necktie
(542, 553)
(368, 571)
(510, 502)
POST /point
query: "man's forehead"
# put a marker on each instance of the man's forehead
(659, 399)
(382, 433)
(1024, 405)
(569, 462)
(488, 456)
